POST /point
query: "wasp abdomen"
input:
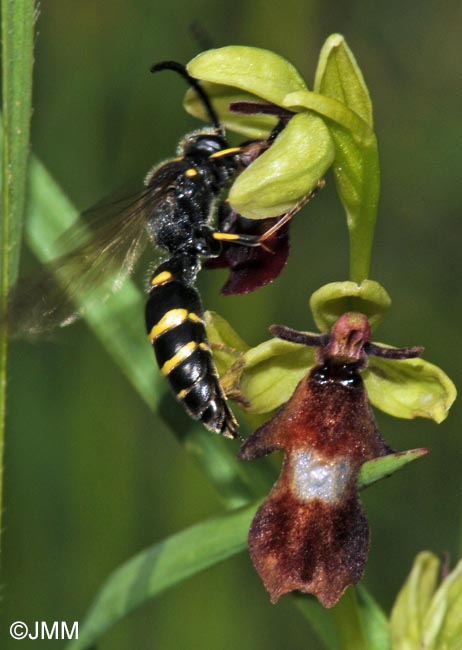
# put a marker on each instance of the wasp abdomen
(176, 329)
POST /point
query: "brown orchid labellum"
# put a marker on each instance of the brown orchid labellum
(311, 532)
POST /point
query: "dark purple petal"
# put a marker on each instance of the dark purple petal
(251, 267)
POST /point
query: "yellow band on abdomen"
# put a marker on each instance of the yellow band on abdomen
(171, 319)
(182, 354)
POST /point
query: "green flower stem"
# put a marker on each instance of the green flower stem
(361, 218)
(17, 47)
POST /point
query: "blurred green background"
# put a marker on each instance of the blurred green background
(91, 475)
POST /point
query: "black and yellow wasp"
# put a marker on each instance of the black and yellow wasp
(174, 212)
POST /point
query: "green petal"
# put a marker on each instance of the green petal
(356, 166)
(272, 371)
(260, 72)
(410, 388)
(227, 345)
(285, 173)
(332, 109)
(412, 603)
(375, 470)
(443, 620)
(334, 299)
(255, 127)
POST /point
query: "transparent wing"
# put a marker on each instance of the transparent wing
(100, 252)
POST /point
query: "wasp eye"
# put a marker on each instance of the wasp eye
(204, 145)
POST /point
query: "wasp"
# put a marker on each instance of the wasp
(174, 212)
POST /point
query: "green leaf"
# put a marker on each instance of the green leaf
(254, 70)
(254, 127)
(379, 468)
(162, 566)
(356, 165)
(349, 623)
(412, 603)
(287, 171)
(375, 623)
(443, 619)
(271, 372)
(336, 298)
(360, 622)
(410, 388)
(320, 619)
(17, 59)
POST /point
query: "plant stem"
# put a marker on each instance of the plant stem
(17, 48)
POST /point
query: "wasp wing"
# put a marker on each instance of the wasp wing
(99, 252)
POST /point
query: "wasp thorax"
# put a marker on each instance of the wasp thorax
(203, 144)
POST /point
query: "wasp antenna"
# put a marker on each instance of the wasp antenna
(181, 70)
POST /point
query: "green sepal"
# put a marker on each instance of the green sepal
(379, 468)
(227, 345)
(259, 72)
(356, 165)
(287, 171)
(340, 76)
(443, 620)
(336, 298)
(270, 373)
(254, 127)
(425, 618)
(412, 603)
(409, 388)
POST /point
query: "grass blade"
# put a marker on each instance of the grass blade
(162, 566)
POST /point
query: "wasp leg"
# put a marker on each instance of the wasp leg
(258, 240)
(235, 238)
(285, 218)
